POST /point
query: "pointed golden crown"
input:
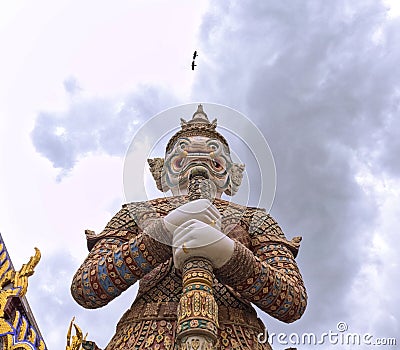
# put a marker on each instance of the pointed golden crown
(199, 125)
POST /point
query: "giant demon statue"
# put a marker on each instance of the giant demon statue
(241, 256)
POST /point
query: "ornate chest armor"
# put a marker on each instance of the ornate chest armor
(262, 271)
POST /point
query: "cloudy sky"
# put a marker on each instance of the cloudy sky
(318, 78)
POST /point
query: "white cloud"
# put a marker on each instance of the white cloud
(95, 125)
(380, 270)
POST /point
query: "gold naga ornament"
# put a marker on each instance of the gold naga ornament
(16, 333)
(74, 342)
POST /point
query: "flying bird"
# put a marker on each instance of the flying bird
(193, 65)
(195, 55)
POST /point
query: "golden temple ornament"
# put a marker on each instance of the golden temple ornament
(16, 333)
(74, 342)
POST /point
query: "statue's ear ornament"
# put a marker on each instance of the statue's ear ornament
(236, 176)
(156, 169)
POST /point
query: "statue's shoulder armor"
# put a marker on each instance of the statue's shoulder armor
(122, 227)
(240, 212)
(261, 227)
(125, 224)
(264, 229)
(161, 206)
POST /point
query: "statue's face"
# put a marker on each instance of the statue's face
(192, 151)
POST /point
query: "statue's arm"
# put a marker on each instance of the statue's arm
(267, 275)
(122, 255)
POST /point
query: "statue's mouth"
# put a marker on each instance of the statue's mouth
(200, 171)
(192, 170)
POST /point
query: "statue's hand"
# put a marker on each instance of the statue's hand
(201, 209)
(195, 238)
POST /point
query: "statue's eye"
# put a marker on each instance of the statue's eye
(182, 145)
(178, 163)
(217, 165)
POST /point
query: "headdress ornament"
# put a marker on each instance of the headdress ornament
(199, 125)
